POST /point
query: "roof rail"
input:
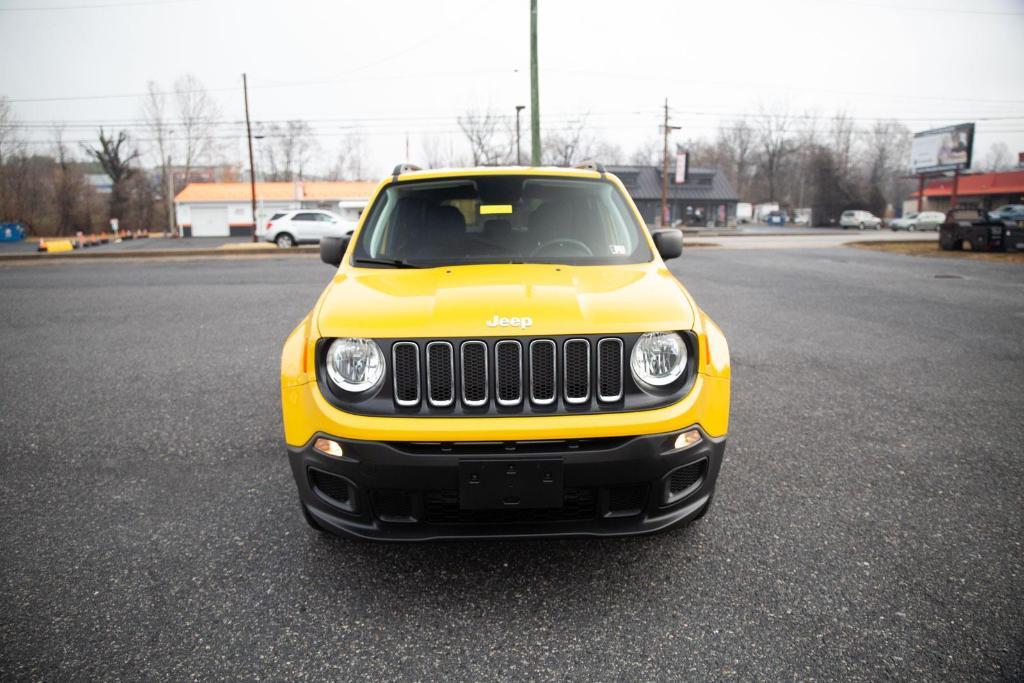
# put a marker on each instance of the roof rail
(591, 165)
(403, 168)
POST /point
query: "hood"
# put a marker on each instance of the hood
(527, 299)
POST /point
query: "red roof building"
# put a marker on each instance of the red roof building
(987, 190)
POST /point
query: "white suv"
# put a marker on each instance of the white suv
(860, 220)
(305, 226)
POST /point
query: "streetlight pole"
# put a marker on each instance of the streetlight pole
(665, 218)
(519, 153)
(534, 92)
(252, 164)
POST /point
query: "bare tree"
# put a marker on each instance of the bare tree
(489, 140)
(350, 158)
(8, 130)
(888, 153)
(734, 155)
(606, 152)
(117, 163)
(287, 150)
(998, 157)
(807, 142)
(154, 112)
(776, 144)
(647, 153)
(68, 190)
(439, 151)
(567, 145)
(197, 114)
(842, 133)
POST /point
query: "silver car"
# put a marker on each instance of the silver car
(860, 220)
(926, 220)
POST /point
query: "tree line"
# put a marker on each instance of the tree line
(804, 160)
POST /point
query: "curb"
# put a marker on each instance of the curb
(156, 253)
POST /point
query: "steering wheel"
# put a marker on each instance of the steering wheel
(562, 240)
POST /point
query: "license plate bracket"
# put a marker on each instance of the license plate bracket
(510, 484)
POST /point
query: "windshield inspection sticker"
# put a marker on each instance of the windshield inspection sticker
(617, 249)
(486, 209)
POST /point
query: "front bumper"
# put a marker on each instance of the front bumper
(409, 491)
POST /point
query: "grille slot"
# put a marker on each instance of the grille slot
(332, 489)
(624, 501)
(685, 477)
(609, 369)
(683, 481)
(576, 370)
(393, 505)
(474, 373)
(440, 374)
(405, 358)
(543, 372)
(508, 369)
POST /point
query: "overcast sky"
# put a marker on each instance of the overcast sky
(397, 68)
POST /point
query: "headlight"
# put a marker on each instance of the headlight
(658, 358)
(355, 364)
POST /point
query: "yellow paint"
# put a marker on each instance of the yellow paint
(488, 209)
(54, 246)
(457, 301)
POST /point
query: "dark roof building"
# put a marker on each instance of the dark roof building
(706, 199)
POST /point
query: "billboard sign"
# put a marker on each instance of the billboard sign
(943, 149)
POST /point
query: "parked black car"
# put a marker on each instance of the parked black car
(973, 229)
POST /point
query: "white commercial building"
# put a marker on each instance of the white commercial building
(225, 209)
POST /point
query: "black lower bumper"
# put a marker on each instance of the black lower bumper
(411, 491)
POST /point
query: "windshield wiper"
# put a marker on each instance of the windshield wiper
(394, 263)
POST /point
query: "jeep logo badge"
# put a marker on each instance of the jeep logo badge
(498, 321)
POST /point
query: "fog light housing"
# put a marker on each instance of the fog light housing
(328, 447)
(688, 438)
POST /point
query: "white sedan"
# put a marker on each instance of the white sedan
(926, 220)
(304, 226)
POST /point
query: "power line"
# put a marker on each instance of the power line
(930, 10)
(60, 8)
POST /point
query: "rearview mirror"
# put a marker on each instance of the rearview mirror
(669, 242)
(332, 249)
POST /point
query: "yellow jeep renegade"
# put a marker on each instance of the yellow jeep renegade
(503, 353)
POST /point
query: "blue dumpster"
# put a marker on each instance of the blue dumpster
(11, 232)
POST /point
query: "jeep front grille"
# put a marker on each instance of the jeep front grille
(506, 373)
(507, 376)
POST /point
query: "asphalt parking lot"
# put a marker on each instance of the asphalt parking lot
(868, 521)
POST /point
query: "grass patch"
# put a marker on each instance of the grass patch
(932, 249)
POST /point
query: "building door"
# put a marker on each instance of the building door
(210, 221)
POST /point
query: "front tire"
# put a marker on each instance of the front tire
(912, 228)
(860, 227)
(284, 240)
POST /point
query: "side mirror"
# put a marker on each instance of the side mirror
(669, 242)
(332, 249)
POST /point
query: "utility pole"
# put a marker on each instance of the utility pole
(664, 219)
(534, 92)
(172, 225)
(519, 153)
(252, 164)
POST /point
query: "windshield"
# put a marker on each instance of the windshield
(501, 219)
